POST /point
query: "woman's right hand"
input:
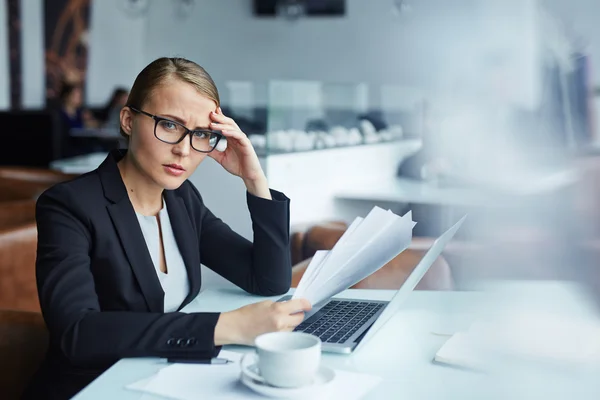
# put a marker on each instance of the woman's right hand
(243, 325)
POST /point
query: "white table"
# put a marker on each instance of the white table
(98, 133)
(404, 190)
(453, 201)
(401, 353)
(80, 164)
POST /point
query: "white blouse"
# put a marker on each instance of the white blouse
(175, 282)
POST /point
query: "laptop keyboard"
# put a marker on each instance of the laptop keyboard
(339, 320)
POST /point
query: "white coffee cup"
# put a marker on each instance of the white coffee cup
(285, 359)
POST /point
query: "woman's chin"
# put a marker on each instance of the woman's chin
(172, 183)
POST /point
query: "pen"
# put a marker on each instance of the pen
(214, 361)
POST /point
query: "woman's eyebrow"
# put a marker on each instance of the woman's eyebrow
(182, 122)
(173, 117)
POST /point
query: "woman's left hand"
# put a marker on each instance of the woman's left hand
(239, 158)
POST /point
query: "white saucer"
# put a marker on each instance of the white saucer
(318, 387)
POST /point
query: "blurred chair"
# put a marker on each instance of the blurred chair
(19, 189)
(23, 344)
(18, 242)
(16, 212)
(18, 288)
(38, 175)
(323, 236)
(307, 239)
(17, 183)
(15, 190)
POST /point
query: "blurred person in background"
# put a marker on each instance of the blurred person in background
(73, 114)
(112, 111)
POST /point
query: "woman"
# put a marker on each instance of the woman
(74, 116)
(119, 249)
(111, 114)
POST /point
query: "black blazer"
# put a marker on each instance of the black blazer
(98, 289)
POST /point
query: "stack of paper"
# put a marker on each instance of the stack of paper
(367, 245)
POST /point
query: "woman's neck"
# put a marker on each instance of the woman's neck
(145, 195)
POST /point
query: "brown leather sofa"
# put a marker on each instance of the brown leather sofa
(18, 183)
(12, 190)
(23, 334)
(323, 236)
(38, 175)
(23, 343)
(16, 212)
(18, 241)
(19, 189)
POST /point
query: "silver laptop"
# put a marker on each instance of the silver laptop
(344, 324)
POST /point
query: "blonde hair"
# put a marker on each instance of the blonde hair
(159, 71)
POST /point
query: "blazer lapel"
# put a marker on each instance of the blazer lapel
(132, 239)
(187, 241)
(128, 229)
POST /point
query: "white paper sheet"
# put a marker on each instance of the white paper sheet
(200, 381)
(310, 273)
(377, 220)
(322, 270)
(315, 268)
(390, 241)
(388, 244)
(367, 245)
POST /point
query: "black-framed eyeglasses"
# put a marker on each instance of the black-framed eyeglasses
(173, 132)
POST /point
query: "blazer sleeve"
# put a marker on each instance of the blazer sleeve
(261, 267)
(87, 336)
